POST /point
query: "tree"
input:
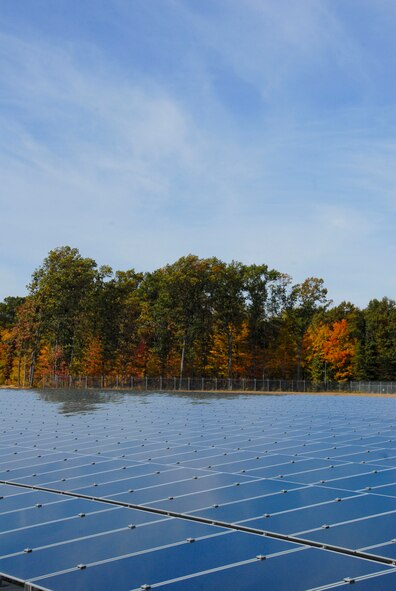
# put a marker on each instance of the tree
(63, 290)
(330, 351)
(9, 311)
(155, 319)
(188, 282)
(8, 341)
(306, 299)
(380, 339)
(116, 319)
(228, 303)
(265, 297)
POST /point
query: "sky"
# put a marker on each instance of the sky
(262, 131)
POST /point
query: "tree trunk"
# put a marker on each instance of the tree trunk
(24, 371)
(32, 368)
(299, 351)
(19, 369)
(230, 342)
(182, 359)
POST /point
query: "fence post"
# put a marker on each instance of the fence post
(188, 384)
(255, 384)
(146, 382)
(160, 383)
(203, 384)
(174, 383)
(216, 384)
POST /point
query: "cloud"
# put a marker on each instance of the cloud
(137, 168)
(276, 45)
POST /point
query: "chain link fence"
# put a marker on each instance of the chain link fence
(203, 384)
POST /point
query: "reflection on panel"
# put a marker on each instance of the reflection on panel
(321, 469)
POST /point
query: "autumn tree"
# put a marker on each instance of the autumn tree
(305, 300)
(192, 317)
(8, 338)
(330, 351)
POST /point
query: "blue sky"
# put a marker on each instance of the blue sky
(257, 130)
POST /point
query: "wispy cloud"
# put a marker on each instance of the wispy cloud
(267, 145)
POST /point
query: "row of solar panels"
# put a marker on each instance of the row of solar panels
(208, 461)
(63, 543)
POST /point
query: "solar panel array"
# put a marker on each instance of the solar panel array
(197, 492)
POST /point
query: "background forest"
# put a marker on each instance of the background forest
(195, 317)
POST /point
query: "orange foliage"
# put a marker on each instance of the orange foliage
(218, 354)
(331, 344)
(93, 359)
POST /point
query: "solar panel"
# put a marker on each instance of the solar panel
(123, 491)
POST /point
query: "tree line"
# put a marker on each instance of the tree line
(195, 317)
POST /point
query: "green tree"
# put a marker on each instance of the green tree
(9, 311)
(380, 340)
(156, 317)
(116, 317)
(305, 301)
(228, 303)
(189, 287)
(64, 290)
(265, 298)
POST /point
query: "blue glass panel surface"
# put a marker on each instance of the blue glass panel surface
(381, 582)
(386, 490)
(218, 460)
(300, 570)
(377, 477)
(192, 502)
(105, 444)
(339, 451)
(257, 462)
(327, 514)
(386, 462)
(89, 519)
(67, 462)
(358, 534)
(65, 507)
(26, 499)
(329, 474)
(142, 482)
(218, 484)
(168, 563)
(368, 455)
(388, 550)
(301, 497)
(103, 547)
(107, 475)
